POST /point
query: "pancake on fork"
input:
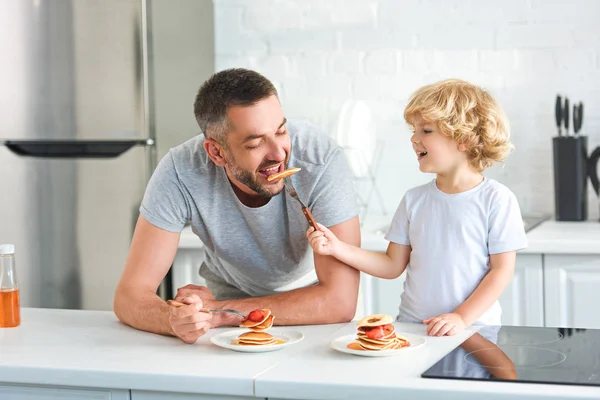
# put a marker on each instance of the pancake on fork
(258, 320)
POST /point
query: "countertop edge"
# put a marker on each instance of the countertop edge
(98, 379)
(420, 387)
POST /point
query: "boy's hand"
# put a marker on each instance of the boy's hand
(445, 324)
(323, 241)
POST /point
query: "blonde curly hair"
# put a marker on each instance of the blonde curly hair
(468, 115)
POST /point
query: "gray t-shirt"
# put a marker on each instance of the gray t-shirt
(252, 251)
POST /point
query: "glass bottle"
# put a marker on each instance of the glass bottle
(10, 309)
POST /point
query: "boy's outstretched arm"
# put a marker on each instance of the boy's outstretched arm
(388, 265)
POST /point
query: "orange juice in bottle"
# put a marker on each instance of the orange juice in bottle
(10, 309)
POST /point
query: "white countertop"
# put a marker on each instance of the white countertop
(92, 349)
(320, 372)
(557, 237)
(550, 237)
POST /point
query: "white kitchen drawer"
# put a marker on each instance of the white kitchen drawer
(148, 395)
(35, 392)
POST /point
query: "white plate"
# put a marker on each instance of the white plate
(224, 340)
(341, 343)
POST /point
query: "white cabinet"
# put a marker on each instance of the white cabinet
(572, 290)
(523, 299)
(186, 267)
(37, 392)
(385, 295)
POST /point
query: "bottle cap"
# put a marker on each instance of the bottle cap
(7, 249)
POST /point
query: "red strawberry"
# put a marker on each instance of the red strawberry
(375, 333)
(378, 332)
(256, 316)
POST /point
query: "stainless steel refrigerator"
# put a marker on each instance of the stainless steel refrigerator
(92, 94)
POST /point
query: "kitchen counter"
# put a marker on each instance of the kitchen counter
(68, 348)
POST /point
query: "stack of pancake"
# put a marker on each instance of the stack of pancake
(255, 339)
(376, 332)
(258, 321)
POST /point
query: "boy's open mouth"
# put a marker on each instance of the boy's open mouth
(421, 154)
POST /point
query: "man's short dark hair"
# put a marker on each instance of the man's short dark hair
(228, 88)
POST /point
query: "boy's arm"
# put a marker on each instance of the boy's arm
(490, 288)
(492, 358)
(388, 265)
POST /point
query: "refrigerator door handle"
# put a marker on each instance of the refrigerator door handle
(74, 148)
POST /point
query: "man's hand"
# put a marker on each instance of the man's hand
(201, 292)
(187, 322)
(190, 294)
(445, 324)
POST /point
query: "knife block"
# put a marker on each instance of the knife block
(570, 178)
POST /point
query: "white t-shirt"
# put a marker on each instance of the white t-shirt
(451, 237)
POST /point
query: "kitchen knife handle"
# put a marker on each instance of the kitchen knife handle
(575, 119)
(566, 116)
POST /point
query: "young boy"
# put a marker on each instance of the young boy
(456, 236)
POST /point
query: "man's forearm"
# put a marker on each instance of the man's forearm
(144, 311)
(487, 292)
(305, 306)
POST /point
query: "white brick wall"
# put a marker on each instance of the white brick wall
(321, 53)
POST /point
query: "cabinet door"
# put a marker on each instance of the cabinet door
(383, 295)
(35, 392)
(523, 299)
(572, 290)
(186, 266)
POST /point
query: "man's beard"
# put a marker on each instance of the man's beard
(249, 179)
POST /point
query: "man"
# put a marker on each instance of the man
(256, 252)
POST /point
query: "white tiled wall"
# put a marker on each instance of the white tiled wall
(321, 53)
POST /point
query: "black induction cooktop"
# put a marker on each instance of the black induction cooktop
(525, 354)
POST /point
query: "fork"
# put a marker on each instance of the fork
(291, 190)
(206, 310)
